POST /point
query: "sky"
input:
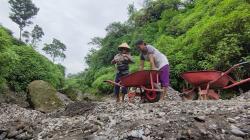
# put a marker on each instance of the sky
(74, 22)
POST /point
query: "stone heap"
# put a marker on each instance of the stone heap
(215, 120)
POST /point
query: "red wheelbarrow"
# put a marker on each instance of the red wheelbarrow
(207, 83)
(145, 81)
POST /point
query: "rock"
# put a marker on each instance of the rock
(200, 118)
(92, 137)
(232, 137)
(13, 133)
(64, 98)
(236, 131)
(43, 96)
(3, 135)
(147, 131)
(202, 129)
(103, 118)
(243, 96)
(173, 94)
(160, 115)
(213, 127)
(231, 120)
(136, 133)
(24, 136)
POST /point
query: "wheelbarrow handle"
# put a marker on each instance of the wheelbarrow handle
(229, 70)
(235, 66)
(242, 63)
(113, 83)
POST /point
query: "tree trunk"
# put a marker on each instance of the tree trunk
(20, 34)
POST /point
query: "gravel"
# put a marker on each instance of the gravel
(220, 120)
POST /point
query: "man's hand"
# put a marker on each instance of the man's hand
(113, 61)
(154, 68)
(126, 56)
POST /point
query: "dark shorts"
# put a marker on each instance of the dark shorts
(117, 80)
(164, 76)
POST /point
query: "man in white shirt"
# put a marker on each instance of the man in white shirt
(158, 61)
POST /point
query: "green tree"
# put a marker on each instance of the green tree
(36, 34)
(26, 36)
(56, 49)
(34, 37)
(21, 13)
(131, 9)
(96, 41)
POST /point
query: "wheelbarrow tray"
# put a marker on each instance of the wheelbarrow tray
(140, 78)
(201, 78)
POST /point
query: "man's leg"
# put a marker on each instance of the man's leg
(124, 92)
(117, 88)
(165, 93)
(124, 89)
(117, 94)
(164, 79)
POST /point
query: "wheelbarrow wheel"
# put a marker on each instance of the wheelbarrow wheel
(152, 96)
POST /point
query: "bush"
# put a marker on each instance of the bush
(7, 57)
(103, 87)
(31, 66)
(71, 92)
(20, 64)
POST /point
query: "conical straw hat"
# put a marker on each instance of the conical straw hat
(124, 45)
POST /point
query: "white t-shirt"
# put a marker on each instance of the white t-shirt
(160, 59)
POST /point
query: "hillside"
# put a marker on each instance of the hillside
(21, 64)
(194, 35)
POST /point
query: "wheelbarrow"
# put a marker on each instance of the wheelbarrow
(207, 83)
(146, 81)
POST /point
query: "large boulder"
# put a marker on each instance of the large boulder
(43, 96)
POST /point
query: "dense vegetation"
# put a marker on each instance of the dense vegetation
(194, 35)
(21, 64)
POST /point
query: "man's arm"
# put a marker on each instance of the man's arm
(113, 61)
(152, 62)
(141, 65)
